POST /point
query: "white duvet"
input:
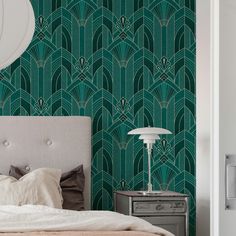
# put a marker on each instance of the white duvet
(29, 218)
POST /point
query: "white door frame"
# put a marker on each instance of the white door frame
(214, 181)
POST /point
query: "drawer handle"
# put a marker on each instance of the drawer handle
(159, 207)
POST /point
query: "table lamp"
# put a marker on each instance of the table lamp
(149, 135)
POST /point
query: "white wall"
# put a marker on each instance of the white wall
(227, 107)
(203, 118)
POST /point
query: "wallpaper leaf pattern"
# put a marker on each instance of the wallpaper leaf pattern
(127, 64)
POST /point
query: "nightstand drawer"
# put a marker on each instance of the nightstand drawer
(151, 207)
(174, 224)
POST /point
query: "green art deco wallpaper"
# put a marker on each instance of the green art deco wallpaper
(127, 64)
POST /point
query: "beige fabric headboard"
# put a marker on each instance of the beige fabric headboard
(58, 142)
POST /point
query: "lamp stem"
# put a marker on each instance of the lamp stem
(149, 150)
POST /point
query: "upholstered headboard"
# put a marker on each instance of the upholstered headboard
(58, 142)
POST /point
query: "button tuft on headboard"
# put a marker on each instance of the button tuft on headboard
(27, 168)
(49, 142)
(5, 143)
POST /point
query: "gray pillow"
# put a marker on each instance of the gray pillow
(72, 185)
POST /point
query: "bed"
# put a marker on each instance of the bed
(60, 143)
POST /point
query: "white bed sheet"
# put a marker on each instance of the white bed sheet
(30, 218)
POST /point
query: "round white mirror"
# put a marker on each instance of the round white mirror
(17, 24)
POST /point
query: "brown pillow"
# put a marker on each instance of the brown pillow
(72, 185)
(17, 172)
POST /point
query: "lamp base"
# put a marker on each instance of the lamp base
(151, 193)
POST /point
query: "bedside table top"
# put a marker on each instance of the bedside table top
(161, 194)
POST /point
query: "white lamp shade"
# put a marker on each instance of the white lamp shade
(17, 24)
(149, 130)
(149, 138)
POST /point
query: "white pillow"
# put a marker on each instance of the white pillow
(39, 187)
